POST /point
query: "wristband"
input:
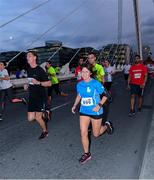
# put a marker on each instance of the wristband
(100, 105)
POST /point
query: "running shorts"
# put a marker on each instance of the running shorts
(92, 116)
(136, 89)
(36, 104)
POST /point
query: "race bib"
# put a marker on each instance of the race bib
(87, 102)
(137, 75)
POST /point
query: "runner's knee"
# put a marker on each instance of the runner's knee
(31, 117)
(96, 134)
(84, 133)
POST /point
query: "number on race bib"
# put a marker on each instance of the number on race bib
(137, 75)
(87, 102)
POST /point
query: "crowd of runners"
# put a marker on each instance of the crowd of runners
(94, 82)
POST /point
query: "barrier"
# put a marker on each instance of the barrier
(18, 83)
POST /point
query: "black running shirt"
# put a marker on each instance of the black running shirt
(37, 91)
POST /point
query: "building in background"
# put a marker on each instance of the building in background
(60, 55)
(116, 53)
(55, 51)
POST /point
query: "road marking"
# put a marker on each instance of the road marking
(57, 107)
(19, 124)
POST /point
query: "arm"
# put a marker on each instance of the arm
(77, 100)
(103, 79)
(42, 80)
(129, 78)
(101, 91)
(100, 104)
(145, 80)
(45, 84)
(145, 76)
(5, 78)
(102, 72)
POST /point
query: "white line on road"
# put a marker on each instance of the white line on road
(19, 124)
(57, 107)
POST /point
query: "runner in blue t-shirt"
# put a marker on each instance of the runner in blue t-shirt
(91, 110)
(90, 96)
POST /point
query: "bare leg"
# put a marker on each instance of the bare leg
(31, 116)
(38, 117)
(97, 127)
(140, 101)
(84, 124)
(132, 102)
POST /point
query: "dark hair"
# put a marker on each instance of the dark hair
(1, 62)
(34, 54)
(88, 66)
(92, 53)
(137, 56)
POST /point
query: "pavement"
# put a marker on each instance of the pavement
(147, 169)
(119, 156)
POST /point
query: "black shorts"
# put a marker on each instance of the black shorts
(54, 87)
(96, 117)
(92, 116)
(6, 94)
(136, 89)
(36, 104)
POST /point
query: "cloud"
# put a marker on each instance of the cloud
(94, 24)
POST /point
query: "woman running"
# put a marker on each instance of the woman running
(88, 93)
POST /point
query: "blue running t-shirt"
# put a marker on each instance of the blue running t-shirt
(90, 96)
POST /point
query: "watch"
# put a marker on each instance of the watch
(100, 105)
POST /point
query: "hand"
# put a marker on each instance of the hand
(142, 86)
(36, 82)
(128, 87)
(96, 108)
(73, 109)
(25, 87)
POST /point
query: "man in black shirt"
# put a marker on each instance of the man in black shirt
(37, 81)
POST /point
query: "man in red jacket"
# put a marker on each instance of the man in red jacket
(136, 82)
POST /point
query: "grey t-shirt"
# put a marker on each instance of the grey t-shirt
(4, 84)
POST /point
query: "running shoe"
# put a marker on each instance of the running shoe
(43, 135)
(110, 128)
(1, 119)
(24, 101)
(84, 158)
(139, 110)
(131, 113)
